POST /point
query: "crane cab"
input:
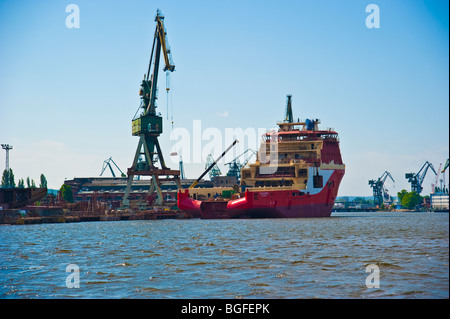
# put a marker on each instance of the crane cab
(147, 125)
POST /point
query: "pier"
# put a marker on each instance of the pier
(44, 215)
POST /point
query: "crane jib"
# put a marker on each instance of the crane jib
(214, 163)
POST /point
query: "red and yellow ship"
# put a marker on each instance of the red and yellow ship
(297, 174)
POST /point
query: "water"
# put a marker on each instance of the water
(265, 258)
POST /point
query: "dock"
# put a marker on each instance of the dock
(45, 215)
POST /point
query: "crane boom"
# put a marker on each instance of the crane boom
(416, 180)
(107, 163)
(149, 86)
(386, 174)
(212, 165)
(445, 166)
(162, 39)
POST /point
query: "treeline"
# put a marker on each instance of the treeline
(410, 200)
(8, 181)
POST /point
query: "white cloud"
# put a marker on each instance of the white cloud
(224, 114)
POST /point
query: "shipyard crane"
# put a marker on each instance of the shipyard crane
(148, 126)
(107, 163)
(215, 170)
(379, 191)
(214, 163)
(416, 179)
(236, 166)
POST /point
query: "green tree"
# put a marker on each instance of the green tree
(411, 200)
(401, 194)
(5, 178)
(12, 183)
(21, 183)
(66, 193)
(28, 182)
(43, 183)
(8, 179)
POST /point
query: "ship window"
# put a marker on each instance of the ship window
(302, 172)
(317, 181)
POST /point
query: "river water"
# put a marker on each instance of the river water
(407, 255)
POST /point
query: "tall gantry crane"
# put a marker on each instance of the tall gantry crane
(379, 192)
(148, 125)
(416, 179)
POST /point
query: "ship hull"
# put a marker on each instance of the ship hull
(298, 211)
(266, 204)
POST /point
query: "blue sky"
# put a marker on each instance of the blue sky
(67, 96)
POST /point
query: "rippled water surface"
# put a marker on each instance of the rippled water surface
(263, 258)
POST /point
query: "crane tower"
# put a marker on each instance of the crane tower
(148, 125)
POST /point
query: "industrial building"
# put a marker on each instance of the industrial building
(439, 202)
(113, 188)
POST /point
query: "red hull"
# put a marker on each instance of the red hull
(266, 204)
